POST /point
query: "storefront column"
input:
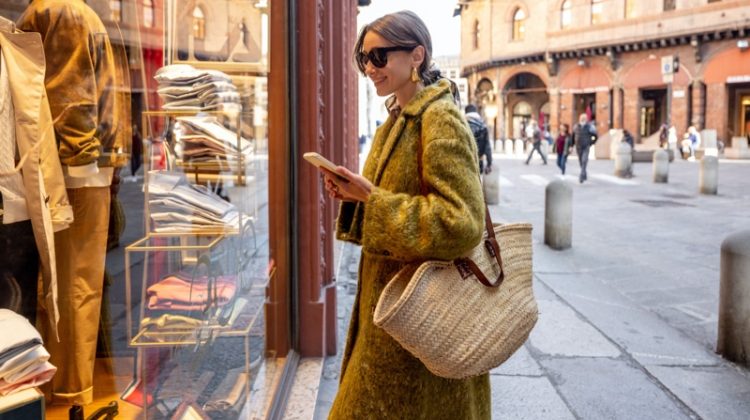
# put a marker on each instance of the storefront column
(617, 104)
(322, 67)
(554, 110)
(699, 105)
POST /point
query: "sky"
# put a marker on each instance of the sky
(437, 15)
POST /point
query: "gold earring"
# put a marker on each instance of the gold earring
(414, 75)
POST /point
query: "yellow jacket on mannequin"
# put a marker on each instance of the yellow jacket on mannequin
(83, 79)
(46, 199)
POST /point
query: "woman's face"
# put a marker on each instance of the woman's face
(396, 75)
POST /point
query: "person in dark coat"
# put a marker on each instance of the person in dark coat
(584, 136)
(385, 211)
(481, 136)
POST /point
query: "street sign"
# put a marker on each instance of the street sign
(667, 78)
(667, 65)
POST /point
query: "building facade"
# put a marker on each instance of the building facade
(553, 60)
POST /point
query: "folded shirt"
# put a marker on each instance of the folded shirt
(41, 374)
(177, 293)
(23, 363)
(24, 336)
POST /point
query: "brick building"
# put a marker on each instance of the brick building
(555, 59)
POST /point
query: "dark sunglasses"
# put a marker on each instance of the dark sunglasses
(378, 56)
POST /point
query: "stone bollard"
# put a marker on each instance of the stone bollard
(519, 147)
(558, 215)
(508, 146)
(624, 161)
(661, 166)
(734, 298)
(709, 175)
(491, 187)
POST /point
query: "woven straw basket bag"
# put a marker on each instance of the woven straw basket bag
(462, 318)
(459, 327)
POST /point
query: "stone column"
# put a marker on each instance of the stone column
(661, 166)
(558, 215)
(734, 299)
(709, 175)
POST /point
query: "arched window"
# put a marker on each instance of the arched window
(476, 34)
(565, 14)
(630, 9)
(199, 24)
(519, 24)
(116, 8)
(148, 13)
(597, 11)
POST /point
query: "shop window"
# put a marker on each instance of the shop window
(519, 25)
(116, 7)
(670, 5)
(148, 13)
(597, 11)
(565, 14)
(199, 24)
(476, 34)
(630, 9)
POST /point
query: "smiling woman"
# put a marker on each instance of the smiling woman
(419, 197)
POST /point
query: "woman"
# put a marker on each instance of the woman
(384, 211)
(562, 147)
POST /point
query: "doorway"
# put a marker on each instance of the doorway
(584, 103)
(653, 111)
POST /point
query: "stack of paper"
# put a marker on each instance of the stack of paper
(23, 360)
(201, 139)
(183, 87)
(178, 206)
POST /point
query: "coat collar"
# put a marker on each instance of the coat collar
(24, 58)
(414, 108)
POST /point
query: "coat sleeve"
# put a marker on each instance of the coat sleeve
(70, 80)
(488, 148)
(449, 220)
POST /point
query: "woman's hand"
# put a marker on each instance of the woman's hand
(346, 185)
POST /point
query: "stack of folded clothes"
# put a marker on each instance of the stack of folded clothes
(23, 360)
(183, 87)
(177, 206)
(203, 138)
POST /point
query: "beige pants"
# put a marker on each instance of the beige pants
(81, 251)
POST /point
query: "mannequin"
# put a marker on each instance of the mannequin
(35, 203)
(81, 81)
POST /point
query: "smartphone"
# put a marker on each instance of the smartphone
(319, 161)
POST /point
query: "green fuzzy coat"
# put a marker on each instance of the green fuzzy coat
(396, 226)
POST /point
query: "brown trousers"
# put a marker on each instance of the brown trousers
(81, 252)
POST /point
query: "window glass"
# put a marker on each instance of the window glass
(519, 24)
(148, 13)
(597, 11)
(174, 240)
(476, 34)
(565, 14)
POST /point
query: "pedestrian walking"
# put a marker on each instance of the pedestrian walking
(695, 141)
(481, 136)
(584, 136)
(562, 147)
(536, 139)
(398, 223)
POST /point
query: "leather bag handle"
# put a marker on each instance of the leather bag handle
(490, 243)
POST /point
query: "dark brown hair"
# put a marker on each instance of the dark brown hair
(403, 29)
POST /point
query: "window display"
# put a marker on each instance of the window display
(160, 274)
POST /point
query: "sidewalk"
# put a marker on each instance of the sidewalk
(625, 332)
